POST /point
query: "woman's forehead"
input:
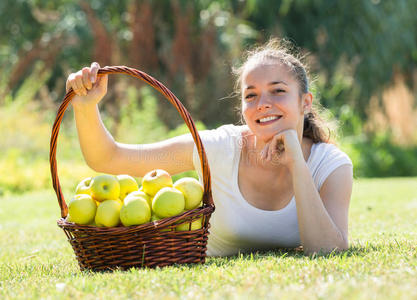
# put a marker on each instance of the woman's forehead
(265, 71)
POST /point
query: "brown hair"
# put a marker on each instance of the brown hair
(317, 123)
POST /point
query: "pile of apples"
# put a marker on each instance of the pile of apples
(109, 201)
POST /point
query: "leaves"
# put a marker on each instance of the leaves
(354, 46)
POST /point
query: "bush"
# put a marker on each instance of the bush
(377, 156)
(26, 132)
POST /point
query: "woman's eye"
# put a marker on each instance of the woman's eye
(279, 91)
(250, 96)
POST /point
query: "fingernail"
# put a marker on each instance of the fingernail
(93, 79)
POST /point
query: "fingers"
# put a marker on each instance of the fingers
(83, 80)
(75, 82)
(273, 148)
(274, 144)
(78, 85)
(264, 152)
(278, 145)
(86, 78)
(93, 71)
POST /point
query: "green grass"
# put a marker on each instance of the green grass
(36, 261)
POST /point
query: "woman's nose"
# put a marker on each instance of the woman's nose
(263, 103)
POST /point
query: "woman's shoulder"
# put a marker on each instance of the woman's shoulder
(225, 132)
(328, 151)
(220, 145)
(324, 159)
(232, 129)
(223, 138)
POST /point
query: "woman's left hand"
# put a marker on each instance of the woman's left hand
(284, 148)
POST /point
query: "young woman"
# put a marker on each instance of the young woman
(277, 181)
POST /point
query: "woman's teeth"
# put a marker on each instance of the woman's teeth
(268, 119)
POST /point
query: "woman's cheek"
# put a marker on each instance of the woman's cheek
(245, 111)
(289, 123)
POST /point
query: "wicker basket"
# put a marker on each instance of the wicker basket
(148, 245)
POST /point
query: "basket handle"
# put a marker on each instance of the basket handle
(207, 197)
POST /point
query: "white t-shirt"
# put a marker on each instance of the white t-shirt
(237, 225)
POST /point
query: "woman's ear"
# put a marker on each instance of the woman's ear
(307, 102)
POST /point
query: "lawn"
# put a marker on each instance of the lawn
(36, 261)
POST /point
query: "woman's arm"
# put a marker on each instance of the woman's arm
(102, 153)
(322, 218)
(97, 144)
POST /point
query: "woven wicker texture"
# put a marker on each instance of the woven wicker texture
(147, 245)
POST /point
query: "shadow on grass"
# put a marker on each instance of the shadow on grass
(222, 261)
(353, 251)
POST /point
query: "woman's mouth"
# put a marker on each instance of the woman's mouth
(268, 120)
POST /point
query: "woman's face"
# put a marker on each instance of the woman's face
(271, 100)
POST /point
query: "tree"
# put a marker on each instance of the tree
(355, 46)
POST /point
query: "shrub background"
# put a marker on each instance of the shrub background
(363, 59)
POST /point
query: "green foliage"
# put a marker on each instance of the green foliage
(374, 154)
(183, 129)
(140, 123)
(350, 122)
(370, 38)
(13, 33)
(377, 156)
(356, 46)
(27, 128)
(38, 262)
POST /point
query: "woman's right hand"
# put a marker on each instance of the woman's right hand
(88, 87)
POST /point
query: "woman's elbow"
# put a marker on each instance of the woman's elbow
(101, 165)
(96, 166)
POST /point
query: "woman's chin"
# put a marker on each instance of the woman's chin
(264, 134)
(265, 138)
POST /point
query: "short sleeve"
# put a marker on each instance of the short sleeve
(219, 145)
(328, 158)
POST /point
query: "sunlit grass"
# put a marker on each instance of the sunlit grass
(36, 261)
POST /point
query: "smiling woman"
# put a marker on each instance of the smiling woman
(276, 54)
(276, 180)
(291, 185)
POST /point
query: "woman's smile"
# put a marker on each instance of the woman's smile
(271, 101)
(264, 121)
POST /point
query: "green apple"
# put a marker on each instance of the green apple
(197, 224)
(84, 187)
(168, 202)
(142, 194)
(82, 209)
(108, 213)
(105, 187)
(127, 185)
(135, 211)
(192, 191)
(155, 180)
